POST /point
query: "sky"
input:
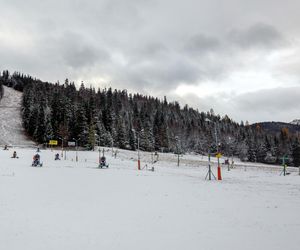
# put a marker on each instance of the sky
(238, 57)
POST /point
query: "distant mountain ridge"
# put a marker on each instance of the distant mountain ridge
(295, 122)
(275, 127)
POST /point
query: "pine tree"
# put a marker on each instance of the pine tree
(131, 138)
(156, 130)
(296, 154)
(243, 151)
(48, 126)
(1, 89)
(115, 113)
(92, 137)
(33, 119)
(81, 126)
(121, 138)
(40, 129)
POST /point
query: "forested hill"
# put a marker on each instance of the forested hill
(276, 127)
(115, 117)
(1, 90)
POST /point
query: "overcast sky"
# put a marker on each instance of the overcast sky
(239, 57)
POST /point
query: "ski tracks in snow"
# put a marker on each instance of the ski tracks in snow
(11, 130)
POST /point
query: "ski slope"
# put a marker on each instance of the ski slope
(11, 130)
(75, 205)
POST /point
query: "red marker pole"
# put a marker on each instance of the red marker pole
(219, 168)
(219, 174)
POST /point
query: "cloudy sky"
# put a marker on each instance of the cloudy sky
(239, 57)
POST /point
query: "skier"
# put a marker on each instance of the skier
(5, 147)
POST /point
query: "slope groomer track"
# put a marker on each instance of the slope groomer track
(11, 130)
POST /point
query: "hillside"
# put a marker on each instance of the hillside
(69, 204)
(1, 90)
(11, 130)
(130, 121)
(276, 127)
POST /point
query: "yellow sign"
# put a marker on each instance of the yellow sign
(53, 142)
(218, 155)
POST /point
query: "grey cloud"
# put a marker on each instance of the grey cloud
(276, 100)
(278, 104)
(123, 13)
(149, 54)
(260, 35)
(152, 50)
(78, 52)
(150, 46)
(201, 44)
(162, 77)
(77, 57)
(177, 72)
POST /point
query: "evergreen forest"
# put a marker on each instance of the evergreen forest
(111, 117)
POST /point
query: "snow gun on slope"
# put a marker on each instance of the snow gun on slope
(102, 162)
(37, 161)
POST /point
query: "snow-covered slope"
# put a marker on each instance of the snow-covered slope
(75, 205)
(11, 131)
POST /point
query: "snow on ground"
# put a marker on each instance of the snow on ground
(75, 205)
(11, 131)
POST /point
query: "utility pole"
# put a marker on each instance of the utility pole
(209, 173)
(99, 155)
(218, 153)
(62, 146)
(177, 151)
(209, 168)
(284, 165)
(76, 148)
(138, 145)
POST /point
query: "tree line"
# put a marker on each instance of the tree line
(1, 89)
(110, 117)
